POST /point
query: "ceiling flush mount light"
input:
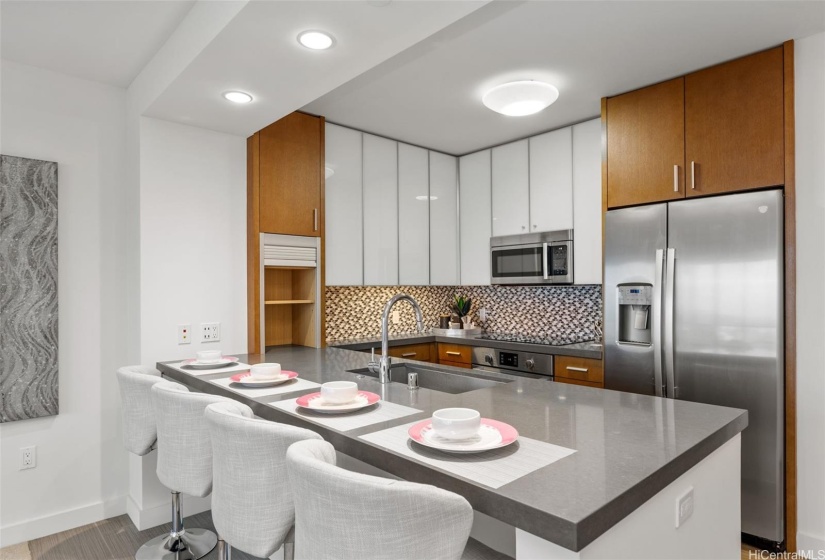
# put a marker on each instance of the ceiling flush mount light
(316, 40)
(517, 99)
(237, 97)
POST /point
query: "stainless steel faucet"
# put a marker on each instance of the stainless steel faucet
(384, 362)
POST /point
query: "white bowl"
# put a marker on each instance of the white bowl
(265, 371)
(456, 423)
(339, 392)
(209, 356)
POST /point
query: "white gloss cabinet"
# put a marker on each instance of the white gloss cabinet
(510, 182)
(413, 216)
(380, 159)
(444, 261)
(475, 218)
(551, 181)
(343, 207)
(587, 203)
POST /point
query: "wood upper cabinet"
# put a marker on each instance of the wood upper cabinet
(734, 125)
(646, 145)
(291, 157)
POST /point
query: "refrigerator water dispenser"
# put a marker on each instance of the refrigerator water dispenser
(634, 313)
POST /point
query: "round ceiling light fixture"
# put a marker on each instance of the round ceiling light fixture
(316, 40)
(517, 99)
(237, 97)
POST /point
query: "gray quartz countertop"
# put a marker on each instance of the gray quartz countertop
(580, 349)
(628, 447)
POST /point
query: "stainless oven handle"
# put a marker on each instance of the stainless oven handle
(544, 260)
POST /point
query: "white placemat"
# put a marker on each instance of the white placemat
(491, 468)
(230, 369)
(379, 412)
(288, 387)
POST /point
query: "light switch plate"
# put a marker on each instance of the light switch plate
(684, 507)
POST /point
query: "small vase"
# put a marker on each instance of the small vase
(467, 322)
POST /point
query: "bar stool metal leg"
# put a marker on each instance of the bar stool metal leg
(224, 550)
(179, 543)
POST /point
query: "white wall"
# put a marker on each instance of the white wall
(810, 290)
(81, 466)
(192, 238)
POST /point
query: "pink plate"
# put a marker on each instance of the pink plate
(238, 377)
(492, 435)
(315, 402)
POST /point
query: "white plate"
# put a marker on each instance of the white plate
(244, 379)
(315, 401)
(194, 363)
(491, 435)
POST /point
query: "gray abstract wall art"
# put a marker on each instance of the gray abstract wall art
(28, 288)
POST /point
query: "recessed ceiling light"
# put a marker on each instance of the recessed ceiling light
(315, 40)
(517, 99)
(237, 96)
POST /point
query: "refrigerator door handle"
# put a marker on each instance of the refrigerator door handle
(656, 325)
(670, 374)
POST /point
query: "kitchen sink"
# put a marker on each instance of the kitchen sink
(436, 379)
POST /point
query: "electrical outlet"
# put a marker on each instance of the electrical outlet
(28, 457)
(210, 332)
(184, 334)
(684, 507)
(482, 314)
(396, 317)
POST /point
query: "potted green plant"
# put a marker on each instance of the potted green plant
(462, 306)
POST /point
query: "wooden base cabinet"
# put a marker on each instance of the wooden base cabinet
(578, 371)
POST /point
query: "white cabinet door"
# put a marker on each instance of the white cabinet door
(511, 200)
(413, 216)
(551, 181)
(342, 208)
(475, 218)
(444, 262)
(587, 202)
(380, 211)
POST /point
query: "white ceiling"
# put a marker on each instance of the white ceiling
(104, 41)
(258, 52)
(430, 94)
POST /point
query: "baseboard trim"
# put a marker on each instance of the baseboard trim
(809, 544)
(162, 513)
(61, 521)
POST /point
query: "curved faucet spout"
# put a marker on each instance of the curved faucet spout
(385, 360)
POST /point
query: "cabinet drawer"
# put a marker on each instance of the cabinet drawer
(581, 369)
(422, 352)
(454, 353)
(578, 382)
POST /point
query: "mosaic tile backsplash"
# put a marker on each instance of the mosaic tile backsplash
(568, 312)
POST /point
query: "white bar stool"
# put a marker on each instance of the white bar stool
(251, 497)
(139, 428)
(184, 465)
(341, 514)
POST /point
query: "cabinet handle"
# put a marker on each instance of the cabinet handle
(450, 353)
(314, 219)
(409, 354)
(572, 368)
(675, 178)
(693, 175)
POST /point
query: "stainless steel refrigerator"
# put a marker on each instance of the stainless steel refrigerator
(694, 311)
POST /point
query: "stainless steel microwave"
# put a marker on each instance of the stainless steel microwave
(533, 258)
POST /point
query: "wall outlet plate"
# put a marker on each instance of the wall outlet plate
(28, 457)
(184, 334)
(684, 507)
(210, 332)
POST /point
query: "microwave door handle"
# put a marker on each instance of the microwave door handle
(545, 268)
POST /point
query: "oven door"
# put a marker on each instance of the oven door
(520, 264)
(559, 262)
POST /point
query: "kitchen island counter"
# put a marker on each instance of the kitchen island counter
(628, 448)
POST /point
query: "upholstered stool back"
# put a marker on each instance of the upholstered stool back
(139, 427)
